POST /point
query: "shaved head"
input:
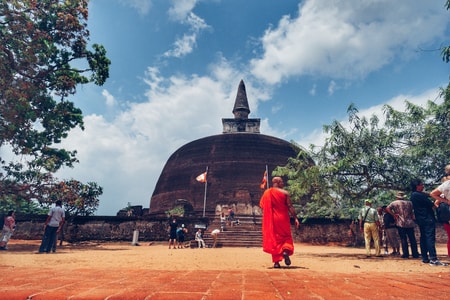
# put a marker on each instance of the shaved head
(277, 182)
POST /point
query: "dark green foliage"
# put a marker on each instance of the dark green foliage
(372, 159)
(43, 45)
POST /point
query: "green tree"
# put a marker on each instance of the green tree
(355, 162)
(78, 199)
(424, 132)
(21, 207)
(44, 56)
(370, 159)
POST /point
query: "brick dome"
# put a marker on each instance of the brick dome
(236, 163)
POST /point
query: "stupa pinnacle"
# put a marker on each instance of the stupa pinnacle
(241, 109)
(241, 122)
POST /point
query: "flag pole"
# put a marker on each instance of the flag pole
(267, 177)
(206, 186)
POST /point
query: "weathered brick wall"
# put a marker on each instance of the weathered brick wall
(315, 231)
(320, 231)
(104, 228)
(344, 232)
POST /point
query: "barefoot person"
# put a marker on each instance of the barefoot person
(276, 227)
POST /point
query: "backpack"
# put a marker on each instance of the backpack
(443, 212)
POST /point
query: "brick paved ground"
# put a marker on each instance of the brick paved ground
(32, 276)
(289, 283)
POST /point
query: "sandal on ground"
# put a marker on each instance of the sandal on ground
(276, 265)
(287, 260)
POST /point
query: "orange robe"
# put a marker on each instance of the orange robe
(276, 225)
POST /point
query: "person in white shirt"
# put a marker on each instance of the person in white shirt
(52, 226)
(199, 238)
(442, 195)
(214, 235)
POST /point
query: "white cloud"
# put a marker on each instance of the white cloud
(317, 137)
(332, 87)
(142, 6)
(196, 23)
(347, 39)
(181, 11)
(110, 101)
(182, 46)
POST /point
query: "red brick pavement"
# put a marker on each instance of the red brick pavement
(68, 275)
(285, 283)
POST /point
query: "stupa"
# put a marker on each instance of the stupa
(235, 162)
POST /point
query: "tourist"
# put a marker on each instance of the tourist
(52, 227)
(173, 233)
(223, 220)
(442, 194)
(180, 236)
(391, 232)
(402, 211)
(424, 214)
(214, 235)
(8, 229)
(276, 226)
(230, 216)
(383, 240)
(447, 173)
(369, 217)
(199, 239)
(60, 237)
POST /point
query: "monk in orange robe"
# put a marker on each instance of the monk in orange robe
(276, 227)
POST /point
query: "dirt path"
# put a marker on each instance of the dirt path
(122, 271)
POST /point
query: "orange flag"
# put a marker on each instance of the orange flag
(201, 177)
(263, 184)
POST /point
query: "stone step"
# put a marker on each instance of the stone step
(236, 239)
(247, 220)
(247, 234)
(224, 242)
(236, 244)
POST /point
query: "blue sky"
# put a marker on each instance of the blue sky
(176, 66)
